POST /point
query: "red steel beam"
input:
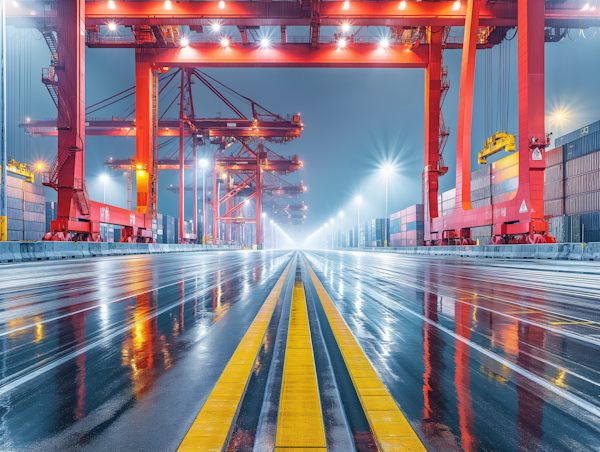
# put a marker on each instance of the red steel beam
(43, 14)
(293, 55)
(433, 91)
(144, 74)
(465, 106)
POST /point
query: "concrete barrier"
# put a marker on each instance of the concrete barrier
(555, 251)
(10, 252)
(38, 251)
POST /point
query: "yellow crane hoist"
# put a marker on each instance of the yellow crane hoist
(22, 169)
(496, 143)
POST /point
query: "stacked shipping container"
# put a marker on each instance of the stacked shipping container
(26, 210)
(407, 227)
(169, 229)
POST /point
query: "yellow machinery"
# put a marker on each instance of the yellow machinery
(497, 142)
(22, 169)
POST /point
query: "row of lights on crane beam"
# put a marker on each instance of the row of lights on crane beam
(402, 5)
(168, 4)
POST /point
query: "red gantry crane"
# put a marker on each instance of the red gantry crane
(418, 36)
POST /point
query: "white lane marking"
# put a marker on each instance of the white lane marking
(24, 379)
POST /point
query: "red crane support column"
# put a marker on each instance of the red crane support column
(195, 188)
(69, 172)
(531, 111)
(465, 106)
(215, 207)
(259, 219)
(433, 89)
(181, 158)
(144, 136)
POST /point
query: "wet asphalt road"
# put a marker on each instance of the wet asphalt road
(481, 355)
(120, 353)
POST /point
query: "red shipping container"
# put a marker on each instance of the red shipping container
(410, 218)
(553, 173)
(554, 156)
(553, 208)
(553, 190)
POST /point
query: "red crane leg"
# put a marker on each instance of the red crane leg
(259, 218)
(144, 135)
(215, 207)
(531, 114)
(195, 189)
(465, 106)
(181, 159)
(432, 121)
(69, 166)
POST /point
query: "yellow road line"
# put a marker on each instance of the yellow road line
(300, 421)
(212, 428)
(391, 430)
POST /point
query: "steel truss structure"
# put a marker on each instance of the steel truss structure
(419, 38)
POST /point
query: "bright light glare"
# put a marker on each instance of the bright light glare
(456, 6)
(112, 26)
(402, 5)
(341, 43)
(585, 7)
(346, 5)
(358, 198)
(341, 213)
(264, 214)
(331, 220)
(264, 42)
(387, 170)
(384, 43)
(203, 163)
(15, 4)
(104, 178)
(345, 26)
(168, 4)
(225, 42)
(559, 117)
(184, 42)
(247, 201)
(221, 4)
(271, 221)
(216, 27)
(111, 4)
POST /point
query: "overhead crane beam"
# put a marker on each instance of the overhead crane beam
(210, 127)
(436, 14)
(293, 55)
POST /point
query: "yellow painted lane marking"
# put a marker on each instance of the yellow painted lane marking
(300, 421)
(391, 430)
(212, 428)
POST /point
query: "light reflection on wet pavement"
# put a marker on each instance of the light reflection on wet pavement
(480, 355)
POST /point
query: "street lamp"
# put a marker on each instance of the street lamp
(203, 163)
(358, 199)
(104, 179)
(387, 170)
(341, 215)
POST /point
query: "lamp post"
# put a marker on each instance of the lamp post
(104, 179)
(332, 221)
(341, 215)
(203, 164)
(358, 200)
(387, 171)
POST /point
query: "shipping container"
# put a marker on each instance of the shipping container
(481, 203)
(506, 162)
(554, 208)
(591, 128)
(553, 190)
(553, 173)
(554, 156)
